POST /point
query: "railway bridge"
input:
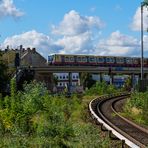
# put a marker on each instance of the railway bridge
(31, 59)
(45, 73)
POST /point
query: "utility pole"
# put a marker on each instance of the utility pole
(145, 3)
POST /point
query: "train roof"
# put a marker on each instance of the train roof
(93, 55)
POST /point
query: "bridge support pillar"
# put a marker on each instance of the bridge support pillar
(111, 79)
(70, 82)
(101, 77)
(133, 81)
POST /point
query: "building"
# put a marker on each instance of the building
(63, 79)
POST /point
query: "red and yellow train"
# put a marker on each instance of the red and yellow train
(92, 60)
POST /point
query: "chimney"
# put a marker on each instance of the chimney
(28, 49)
(33, 50)
(21, 47)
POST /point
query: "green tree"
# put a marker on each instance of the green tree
(3, 75)
(86, 80)
(128, 84)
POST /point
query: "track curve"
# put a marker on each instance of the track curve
(104, 111)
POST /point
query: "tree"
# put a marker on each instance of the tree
(3, 75)
(86, 80)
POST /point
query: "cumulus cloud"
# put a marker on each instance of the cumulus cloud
(43, 43)
(74, 24)
(145, 43)
(75, 35)
(118, 45)
(7, 8)
(78, 44)
(136, 22)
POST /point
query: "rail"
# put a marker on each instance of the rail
(109, 126)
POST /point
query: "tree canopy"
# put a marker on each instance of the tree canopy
(3, 75)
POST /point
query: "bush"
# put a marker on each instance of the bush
(102, 89)
(33, 118)
(139, 102)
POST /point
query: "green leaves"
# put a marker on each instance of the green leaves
(3, 75)
(33, 118)
(101, 89)
(137, 107)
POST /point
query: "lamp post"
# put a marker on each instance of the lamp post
(145, 3)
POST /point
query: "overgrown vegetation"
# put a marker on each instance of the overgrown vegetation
(102, 89)
(3, 75)
(137, 107)
(33, 118)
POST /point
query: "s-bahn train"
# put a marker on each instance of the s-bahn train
(93, 60)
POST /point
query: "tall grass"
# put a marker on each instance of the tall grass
(33, 118)
(137, 107)
(102, 89)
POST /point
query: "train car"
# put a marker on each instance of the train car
(55, 59)
(120, 61)
(110, 60)
(128, 61)
(136, 62)
(65, 59)
(81, 60)
(100, 60)
(145, 62)
(92, 60)
(68, 59)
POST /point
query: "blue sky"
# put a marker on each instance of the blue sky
(100, 27)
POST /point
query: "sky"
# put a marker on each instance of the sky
(96, 27)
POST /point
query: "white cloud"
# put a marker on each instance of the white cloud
(74, 24)
(78, 44)
(31, 39)
(118, 45)
(145, 43)
(7, 8)
(136, 23)
(77, 33)
(77, 36)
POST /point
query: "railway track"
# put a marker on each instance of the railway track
(104, 110)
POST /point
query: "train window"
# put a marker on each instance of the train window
(83, 59)
(129, 60)
(63, 77)
(92, 59)
(79, 59)
(50, 58)
(113, 60)
(67, 58)
(71, 59)
(120, 60)
(107, 60)
(100, 59)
